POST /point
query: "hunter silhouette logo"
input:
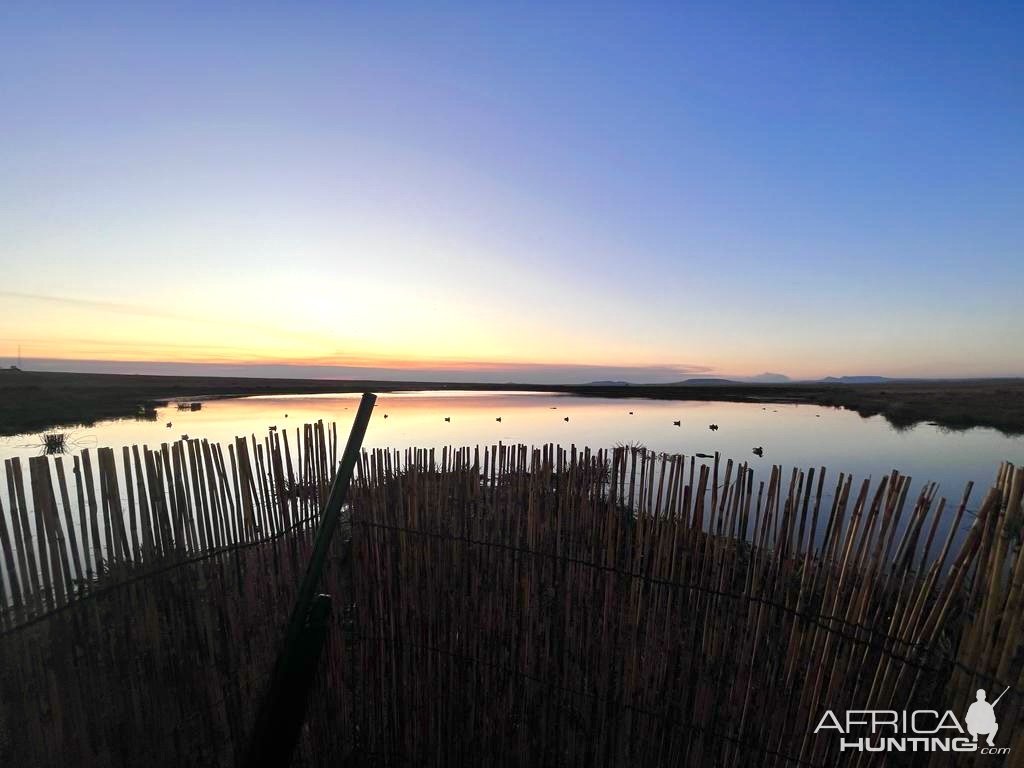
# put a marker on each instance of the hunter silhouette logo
(920, 730)
(981, 717)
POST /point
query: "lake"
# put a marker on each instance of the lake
(791, 435)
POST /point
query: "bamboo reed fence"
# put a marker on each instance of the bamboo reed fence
(501, 605)
(182, 499)
(139, 623)
(550, 607)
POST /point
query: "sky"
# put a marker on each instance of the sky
(515, 191)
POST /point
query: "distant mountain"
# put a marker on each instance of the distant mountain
(719, 381)
(607, 384)
(856, 379)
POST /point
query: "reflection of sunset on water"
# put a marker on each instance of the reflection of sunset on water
(803, 436)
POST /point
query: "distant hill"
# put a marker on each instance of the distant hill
(707, 381)
(711, 381)
(856, 379)
(768, 378)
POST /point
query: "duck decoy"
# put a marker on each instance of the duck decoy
(677, 423)
(498, 418)
(566, 418)
(447, 418)
(759, 451)
(713, 427)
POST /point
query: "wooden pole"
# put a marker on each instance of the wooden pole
(283, 708)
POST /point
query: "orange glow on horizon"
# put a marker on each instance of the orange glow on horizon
(168, 354)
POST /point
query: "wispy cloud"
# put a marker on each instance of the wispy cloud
(126, 354)
(138, 310)
(121, 354)
(486, 372)
(103, 306)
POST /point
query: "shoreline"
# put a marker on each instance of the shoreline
(32, 401)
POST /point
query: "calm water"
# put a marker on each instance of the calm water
(791, 435)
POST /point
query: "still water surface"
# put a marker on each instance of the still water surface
(792, 435)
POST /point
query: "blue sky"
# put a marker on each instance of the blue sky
(662, 189)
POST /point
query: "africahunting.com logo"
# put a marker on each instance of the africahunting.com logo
(921, 730)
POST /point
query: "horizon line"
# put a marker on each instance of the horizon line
(487, 373)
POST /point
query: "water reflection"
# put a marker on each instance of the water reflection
(801, 436)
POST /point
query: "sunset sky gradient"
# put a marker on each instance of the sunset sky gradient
(513, 192)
